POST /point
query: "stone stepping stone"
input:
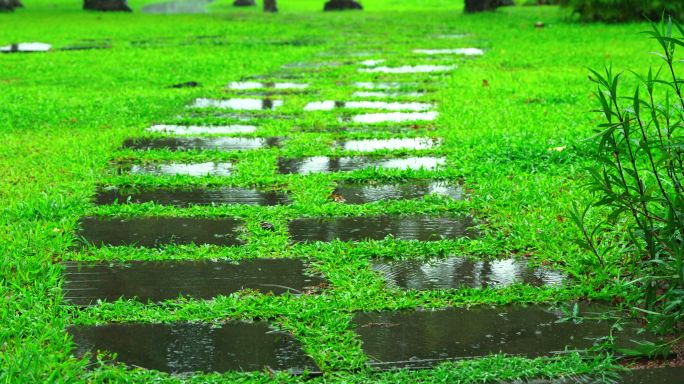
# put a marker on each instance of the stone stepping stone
(251, 85)
(197, 196)
(370, 145)
(177, 7)
(196, 347)
(226, 144)
(357, 193)
(158, 231)
(394, 117)
(386, 94)
(460, 272)
(416, 227)
(372, 62)
(86, 283)
(424, 338)
(175, 169)
(26, 48)
(410, 69)
(324, 164)
(202, 129)
(456, 51)
(245, 104)
(329, 105)
(376, 86)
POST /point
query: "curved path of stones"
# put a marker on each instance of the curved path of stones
(391, 101)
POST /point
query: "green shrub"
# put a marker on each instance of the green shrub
(625, 10)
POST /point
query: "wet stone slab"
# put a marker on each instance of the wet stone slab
(460, 272)
(417, 227)
(667, 375)
(370, 145)
(387, 94)
(324, 164)
(421, 339)
(196, 347)
(202, 129)
(26, 48)
(198, 196)
(329, 105)
(410, 69)
(86, 283)
(252, 85)
(226, 144)
(246, 104)
(176, 169)
(394, 117)
(454, 51)
(159, 231)
(177, 7)
(358, 193)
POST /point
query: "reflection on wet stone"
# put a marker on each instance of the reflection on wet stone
(421, 339)
(357, 193)
(456, 51)
(417, 227)
(370, 145)
(202, 129)
(460, 272)
(86, 283)
(187, 197)
(158, 231)
(381, 105)
(25, 48)
(394, 117)
(238, 104)
(172, 169)
(385, 94)
(177, 7)
(323, 164)
(188, 347)
(202, 143)
(410, 69)
(250, 85)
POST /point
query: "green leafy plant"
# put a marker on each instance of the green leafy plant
(637, 182)
(624, 10)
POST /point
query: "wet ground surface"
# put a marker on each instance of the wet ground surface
(460, 272)
(329, 105)
(251, 85)
(245, 104)
(171, 169)
(421, 339)
(386, 94)
(25, 48)
(410, 69)
(197, 196)
(393, 117)
(454, 51)
(199, 129)
(362, 193)
(86, 283)
(415, 227)
(323, 164)
(202, 143)
(668, 375)
(198, 347)
(370, 145)
(159, 231)
(177, 7)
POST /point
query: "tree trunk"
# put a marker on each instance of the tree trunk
(341, 5)
(244, 3)
(473, 6)
(270, 6)
(106, 5)
(9, 5)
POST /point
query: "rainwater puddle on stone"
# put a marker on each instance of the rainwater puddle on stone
(309, 65)
(421, 339)
(172, 169)
(157, 231)
(238, 104)
(226, 144)
(460, 272)
(361, 193)
(410, 69)
(25, 48)
(177, 7)
(372, 63)
(329, 105)
(666, 375)
(187, 197)
(251, 85)
(86, 283)
(418, 227)
(388, 95)
(394, 117)
(370, 145)
(324, 164)
(196, 347)
(372, 86)
(200, 129)
(456, 51)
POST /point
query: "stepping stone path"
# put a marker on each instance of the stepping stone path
(409, 338)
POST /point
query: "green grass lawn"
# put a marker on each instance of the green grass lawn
(512, 123)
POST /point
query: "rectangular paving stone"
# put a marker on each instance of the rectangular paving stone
(86, 283)
(324, 164)
(421, 339)
(393, 117)
(158, 231)
(202, 143)
(362, 193)
(387, 95)
(176, 169)
(453, 51)
(182, 348)
(415, 227)
(243, 104)
(425, 68)
(459, 272)
(251, 85)
(370, 145)
(197, 196)
(329, 105)
(202, 129)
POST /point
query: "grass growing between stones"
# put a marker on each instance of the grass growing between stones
(512, 125)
